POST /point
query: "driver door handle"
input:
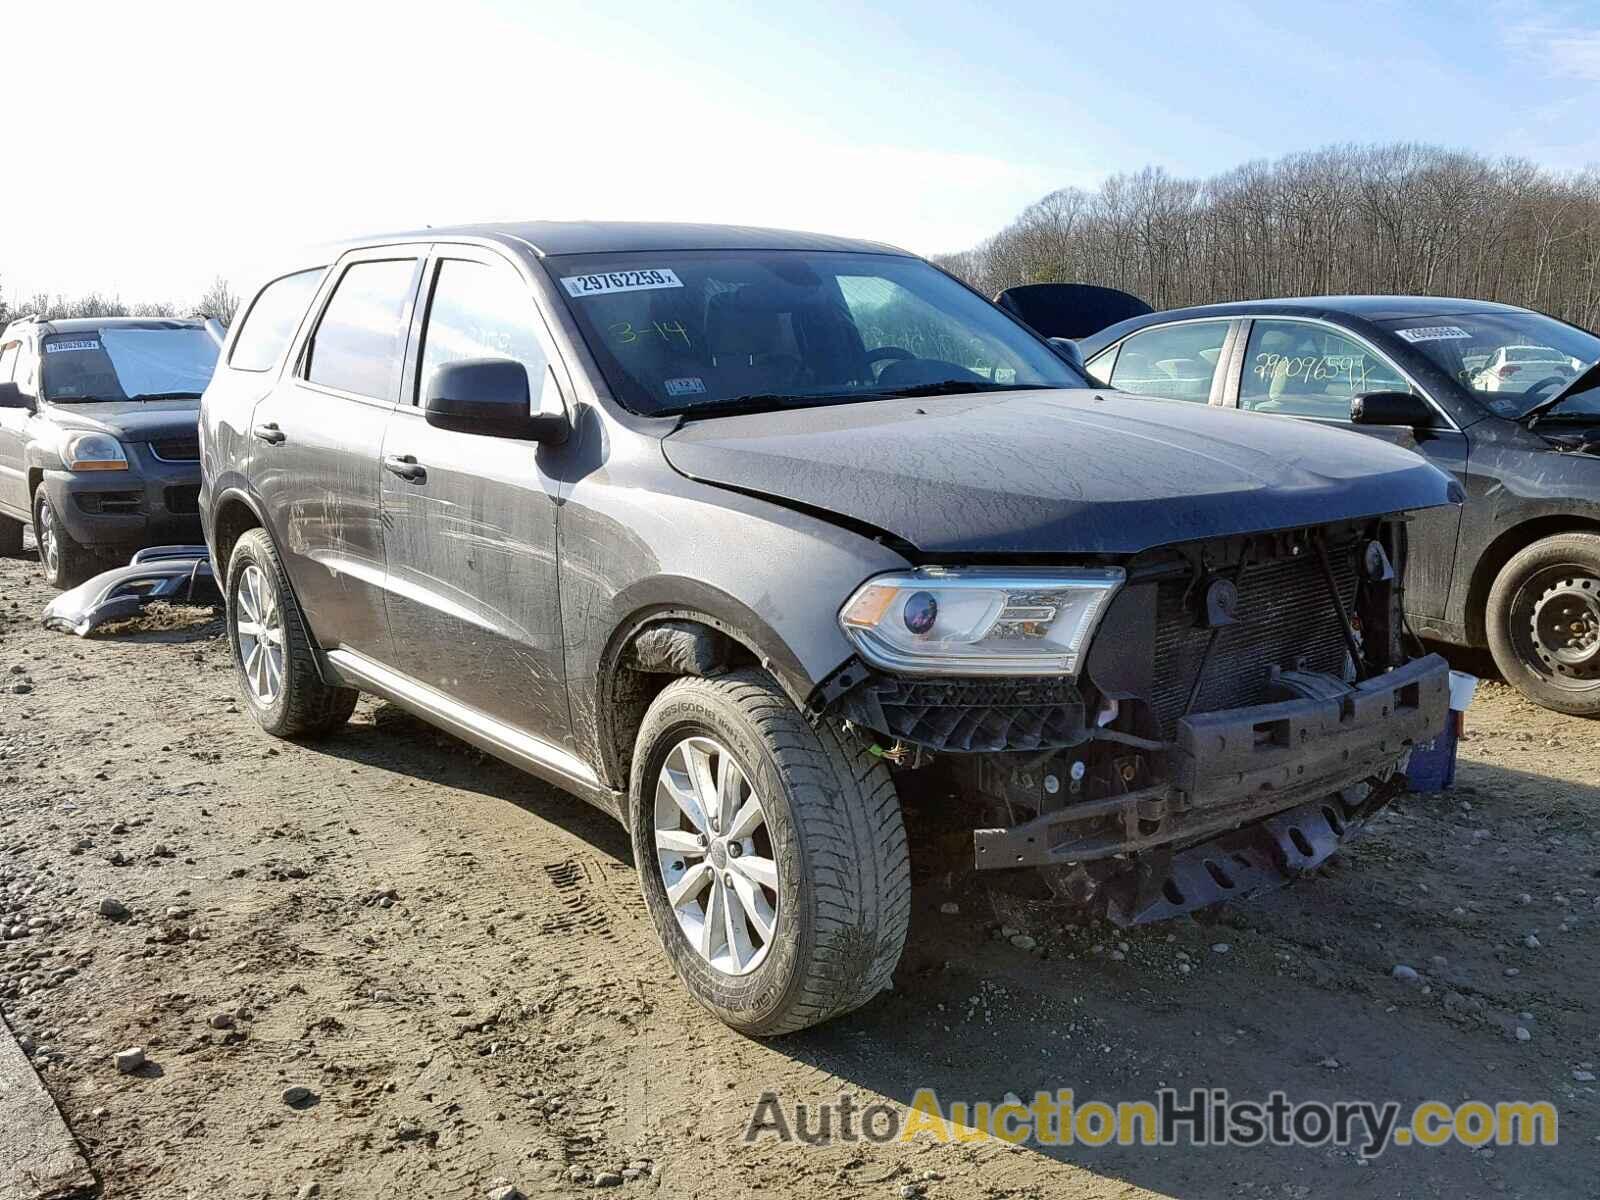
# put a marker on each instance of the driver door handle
(406, 466)
(270, 433)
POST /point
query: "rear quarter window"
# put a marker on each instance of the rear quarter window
(271, 320)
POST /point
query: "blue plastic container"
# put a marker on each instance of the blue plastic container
(1433, 763)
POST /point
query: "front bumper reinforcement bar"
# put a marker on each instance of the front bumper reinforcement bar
(1239, 767)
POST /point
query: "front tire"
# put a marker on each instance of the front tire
(783, 849)
(272, 651)
(1544, 623)
(66, 563)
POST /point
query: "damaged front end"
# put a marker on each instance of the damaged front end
(1243, 706)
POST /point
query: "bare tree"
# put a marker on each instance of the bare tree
(220, 301)
(1403, 218)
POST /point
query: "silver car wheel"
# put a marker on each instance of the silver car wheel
(49, 545)
(259, 626)
(714, 852)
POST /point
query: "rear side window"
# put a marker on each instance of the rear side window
(272, 320)
(8, 361)
(1174, 361)
(360, 343)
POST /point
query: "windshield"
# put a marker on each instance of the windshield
(127, 364)
(717, 330)
(1510, 361)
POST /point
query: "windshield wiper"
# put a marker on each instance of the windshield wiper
(954, 387)
(166, 396)
(775, 401)
(1588, 379)
(1565, 418)
(758, 402)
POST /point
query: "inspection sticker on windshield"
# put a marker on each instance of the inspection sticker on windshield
(58, 347)
(1434, 333)
(689, 385)
(620, 281)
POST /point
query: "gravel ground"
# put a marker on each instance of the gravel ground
(385, 965)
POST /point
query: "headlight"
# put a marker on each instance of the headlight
(95, 452)
(956, 621)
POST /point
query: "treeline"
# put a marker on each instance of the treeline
(1401, 219)
(219, 300)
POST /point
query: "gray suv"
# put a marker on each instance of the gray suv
(744, 535)
(98, 448)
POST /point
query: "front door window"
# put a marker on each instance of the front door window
(1306, 370)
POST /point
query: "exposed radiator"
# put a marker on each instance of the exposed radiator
(1286, 619)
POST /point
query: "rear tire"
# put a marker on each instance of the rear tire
(1543, 623)
(272, 652)
(10, 538)
(830, 838)
(66, 563)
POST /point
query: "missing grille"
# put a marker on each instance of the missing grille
(1285, 619)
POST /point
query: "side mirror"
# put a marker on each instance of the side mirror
(489, 397)
(11, 397)
(1068, 349)
(1391, 408)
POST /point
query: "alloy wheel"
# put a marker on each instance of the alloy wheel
(259, 626)
(714, 851)
(49, 540)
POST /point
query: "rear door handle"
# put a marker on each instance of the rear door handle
(406, 466)
(270, 433)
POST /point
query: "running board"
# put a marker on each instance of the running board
(493, 736)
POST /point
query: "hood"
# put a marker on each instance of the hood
(130, 420)
(1048, 472)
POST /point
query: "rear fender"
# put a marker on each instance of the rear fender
(231, 494)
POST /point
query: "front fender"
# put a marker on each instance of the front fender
(42, 448)
(664, 597)
(639, 542)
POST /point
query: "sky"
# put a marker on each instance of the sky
(157, 145)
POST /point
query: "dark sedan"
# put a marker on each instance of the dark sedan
(1503, 398)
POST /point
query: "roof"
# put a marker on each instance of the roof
(599, 237)
(1371, 308)
(90, 324)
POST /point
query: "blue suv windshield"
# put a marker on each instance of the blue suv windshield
(682, 331)
(126, 364)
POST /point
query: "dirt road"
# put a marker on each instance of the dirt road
(454, 961)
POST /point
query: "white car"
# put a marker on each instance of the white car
(1517, 368)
